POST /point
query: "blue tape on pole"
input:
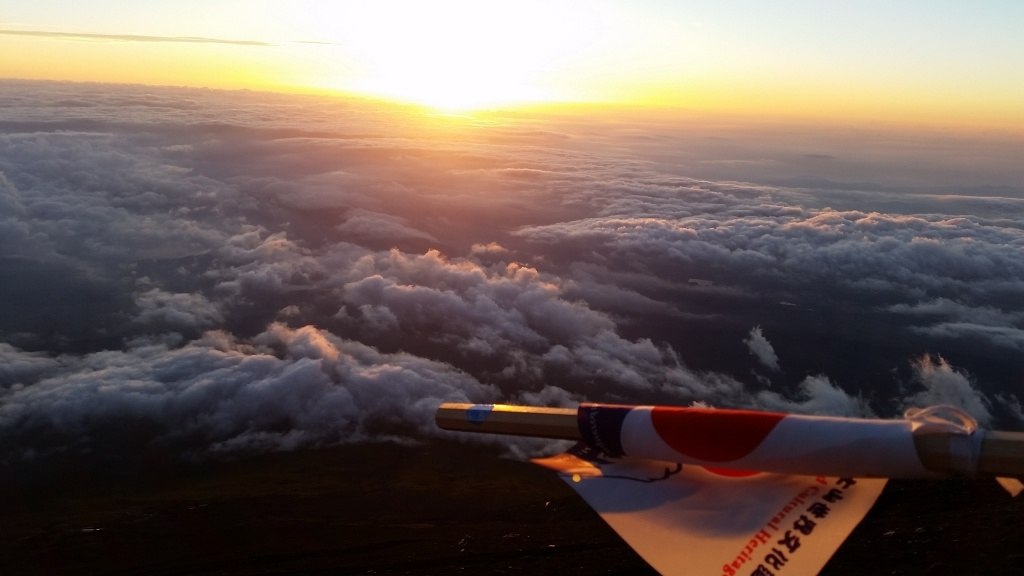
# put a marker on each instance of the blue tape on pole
(601, 427)
(479, 413)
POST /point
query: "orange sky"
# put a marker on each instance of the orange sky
(921, 62)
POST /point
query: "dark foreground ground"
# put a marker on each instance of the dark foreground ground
(436, 509)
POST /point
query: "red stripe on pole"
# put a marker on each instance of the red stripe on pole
(713, 435)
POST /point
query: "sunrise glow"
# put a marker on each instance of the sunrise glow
(912, 63)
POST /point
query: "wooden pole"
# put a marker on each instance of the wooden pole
(505, 419)
(1001, 454)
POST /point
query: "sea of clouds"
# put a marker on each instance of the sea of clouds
(194, 272)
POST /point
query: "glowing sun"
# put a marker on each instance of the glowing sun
(455, 55)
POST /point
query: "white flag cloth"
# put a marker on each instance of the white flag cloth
(687, 520)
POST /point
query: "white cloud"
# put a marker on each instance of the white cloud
(818, 395)
(762, 349)
(943, 384)
(369, 225)
(955, 321)
(283, 389)
(158, 308)
(1008, 337)
(18, 367)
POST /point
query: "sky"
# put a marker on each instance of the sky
(191, 273)
(935, 63)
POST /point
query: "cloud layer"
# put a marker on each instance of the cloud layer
(224, 272)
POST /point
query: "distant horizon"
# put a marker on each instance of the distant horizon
(608, 110)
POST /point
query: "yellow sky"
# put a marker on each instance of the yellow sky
(923, 62)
